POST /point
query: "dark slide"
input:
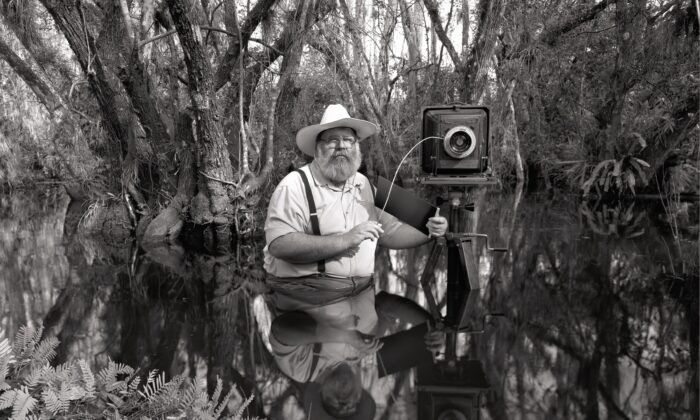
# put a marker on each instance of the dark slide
(404, 205)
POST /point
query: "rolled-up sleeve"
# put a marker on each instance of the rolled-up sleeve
(390, 224)
(287, 212)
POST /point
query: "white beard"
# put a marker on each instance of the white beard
(339, 169)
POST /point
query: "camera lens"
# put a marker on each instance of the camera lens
(459, 142)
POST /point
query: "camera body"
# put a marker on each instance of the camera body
(449, 391)
(461, 146)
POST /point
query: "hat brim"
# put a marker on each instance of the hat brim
(315, 411)
(306, 137)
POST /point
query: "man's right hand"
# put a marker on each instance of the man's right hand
(365, 343)
(366, 230)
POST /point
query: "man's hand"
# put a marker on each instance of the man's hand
(365, 343)
(434, 341)
(437, 225)
(365, 230)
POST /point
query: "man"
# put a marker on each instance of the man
(322, 230)
(350, 225)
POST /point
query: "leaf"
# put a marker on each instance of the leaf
(88, 378)
(642, 162)
(635, 166)
(35, 376)
(23, 404)
(617, 167)
(641, 140)
(224, 403)
(630, 182)
(52, 401)
(45, 351)
(594, 176)
(153, 385)
(6, 358)
(243, 406)
(6, 399)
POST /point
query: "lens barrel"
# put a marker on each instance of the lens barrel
(459, 142)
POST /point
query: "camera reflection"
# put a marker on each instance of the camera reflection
(325, 340)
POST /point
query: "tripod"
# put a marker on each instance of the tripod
(462, 274)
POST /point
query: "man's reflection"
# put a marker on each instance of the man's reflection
(319, 339)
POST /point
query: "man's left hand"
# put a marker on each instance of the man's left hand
(437, 225)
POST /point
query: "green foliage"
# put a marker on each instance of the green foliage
(30, 386)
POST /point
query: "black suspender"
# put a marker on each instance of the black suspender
(315, 227)
(315, 355)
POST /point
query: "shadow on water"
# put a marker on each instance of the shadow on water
(600, 304)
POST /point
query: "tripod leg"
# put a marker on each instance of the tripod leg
(428, 275)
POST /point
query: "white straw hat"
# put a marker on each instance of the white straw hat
(335, 116)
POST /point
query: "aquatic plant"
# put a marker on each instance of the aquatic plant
(30, 387)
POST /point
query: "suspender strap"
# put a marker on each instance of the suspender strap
(315, 227)
(315, 355)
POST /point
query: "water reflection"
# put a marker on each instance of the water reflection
(600, 305)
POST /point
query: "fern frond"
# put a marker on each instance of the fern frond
(133, 385)
(217, 393)
(7, 399)
(57, 375)
(88, 378)
(169, 394)
(239, 413)
(107, 378)
(6, 358)
(5, 349)
(22, 338)
(224, 403)
(23, 404)
(70, 392)
(52, 402)
(45, 351)
(35, 376)
(189, 395)
(153, 385)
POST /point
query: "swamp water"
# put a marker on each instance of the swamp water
(600, 306)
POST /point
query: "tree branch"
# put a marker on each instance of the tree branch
(40, 88)
(551, 36)
(256, 15)
(442, 35)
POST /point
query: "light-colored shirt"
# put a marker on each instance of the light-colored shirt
(339, 210)
(356, 312)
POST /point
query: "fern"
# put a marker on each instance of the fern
(108, 378)
(134, 384)
(88, 378)
(72, 390)
(7, 399)
(6, 358)
(243, 407)
(154, 383)
(44, 351)
(35, 375)
(190, 394)
(23, 404)
(53, 402)
(224, 403)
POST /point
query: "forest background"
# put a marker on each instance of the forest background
(154, 115)
(170, 111)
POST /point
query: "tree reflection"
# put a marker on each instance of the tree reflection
(601, 304)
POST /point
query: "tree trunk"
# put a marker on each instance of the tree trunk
(167, 225)
(212, 156)
(41, 89)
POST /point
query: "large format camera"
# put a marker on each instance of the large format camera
(459, 147)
